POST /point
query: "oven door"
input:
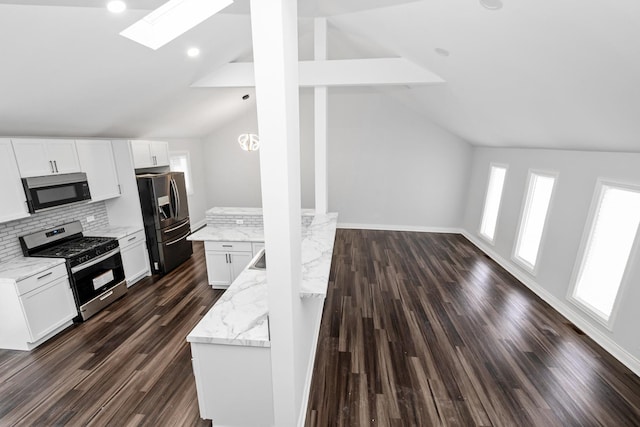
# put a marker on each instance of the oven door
(97, 276)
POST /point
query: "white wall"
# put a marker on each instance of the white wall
(388, 166)
(233, 175)
(198, 200)
(578, 172)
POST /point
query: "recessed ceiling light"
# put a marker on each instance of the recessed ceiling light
(116, 6)
(171, 20)
(491, 4)
(442, 52)
(193, 52)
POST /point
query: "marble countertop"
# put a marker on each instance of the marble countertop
(114, 232)
(21, 268)
(240, 316)
(228, 234)
(247, 211)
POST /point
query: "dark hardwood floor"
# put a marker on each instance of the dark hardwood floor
(418, 329)
(422, 329)
(129, 365)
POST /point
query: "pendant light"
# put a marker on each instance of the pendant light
(249, 141)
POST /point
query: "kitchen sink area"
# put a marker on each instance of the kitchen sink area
(260, 263)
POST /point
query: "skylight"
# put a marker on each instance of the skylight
(492, 202)
(608, 248)
(171, 20)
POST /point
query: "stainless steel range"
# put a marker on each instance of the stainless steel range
(94, 264)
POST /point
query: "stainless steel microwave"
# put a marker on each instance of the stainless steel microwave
(45, 192)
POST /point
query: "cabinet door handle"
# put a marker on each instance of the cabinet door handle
(55, 163)
(132, 239)
(227, 246)
(51, 166)
(45, 275)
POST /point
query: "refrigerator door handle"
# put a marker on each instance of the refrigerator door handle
(175, 228)
(174, 198)
(177, 196)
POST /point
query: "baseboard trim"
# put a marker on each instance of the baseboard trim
(386, 227)
(566, 310)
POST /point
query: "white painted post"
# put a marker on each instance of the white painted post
(275, 52)
(320, 121)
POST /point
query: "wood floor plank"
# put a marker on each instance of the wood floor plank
(128, 365)
(447, 337)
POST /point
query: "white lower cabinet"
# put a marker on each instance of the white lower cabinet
(135, 258)
(229, 380)
(35, 309)
(257, 247)
(225, 261)
(48, 308)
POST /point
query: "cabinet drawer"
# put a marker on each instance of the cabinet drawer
(41, 279)
(131, 239)
(228, 246)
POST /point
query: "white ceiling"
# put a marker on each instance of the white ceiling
(537, 73)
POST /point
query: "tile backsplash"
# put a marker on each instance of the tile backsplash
(10, 231)
(222, 220)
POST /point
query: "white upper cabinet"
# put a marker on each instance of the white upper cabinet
(97, 161)
(160, 152)
(13, 204)
(38, 157)
(149, 154)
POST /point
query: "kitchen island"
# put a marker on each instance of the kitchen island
(230, 345)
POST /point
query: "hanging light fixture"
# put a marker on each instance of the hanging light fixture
(249, 141)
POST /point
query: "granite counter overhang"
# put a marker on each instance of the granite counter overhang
(240, 316)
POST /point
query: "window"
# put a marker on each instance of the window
(534, 216)
(180, 161)
(492, 202)
(613, 232)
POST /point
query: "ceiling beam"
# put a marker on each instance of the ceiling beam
(343, 72)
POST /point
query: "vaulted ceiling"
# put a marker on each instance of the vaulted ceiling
(533, 74)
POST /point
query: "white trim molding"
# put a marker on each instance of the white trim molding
(385, 227)
(560, 306)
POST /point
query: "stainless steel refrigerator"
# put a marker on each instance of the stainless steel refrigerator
(165, 212)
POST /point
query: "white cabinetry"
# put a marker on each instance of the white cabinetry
(257, 247)
(97, 161)
(225, 261)
(149, 154)
(13, 204)
(35, 308)
(38, 157)
(135, 258)
(229, 380)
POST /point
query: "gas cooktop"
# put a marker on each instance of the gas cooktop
(66, 241)
(73, 247)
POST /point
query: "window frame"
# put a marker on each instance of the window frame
(587, 234)
(189, 177)
(526, 204)
(493, 165)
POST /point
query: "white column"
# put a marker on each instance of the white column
(275, 52)
(320, 121)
